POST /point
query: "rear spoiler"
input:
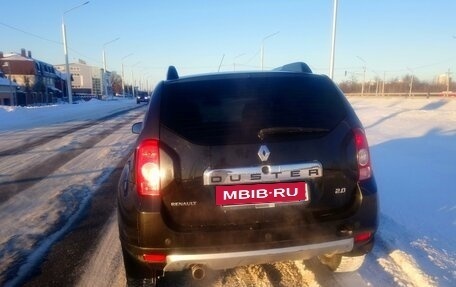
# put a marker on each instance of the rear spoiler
(299, 67)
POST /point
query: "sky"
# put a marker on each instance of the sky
(389, 38)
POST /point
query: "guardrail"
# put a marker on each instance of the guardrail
(85, 97)
(439, 94)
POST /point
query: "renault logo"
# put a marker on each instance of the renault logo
(264, 153)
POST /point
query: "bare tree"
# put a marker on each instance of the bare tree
(116, 81)
(395, 85)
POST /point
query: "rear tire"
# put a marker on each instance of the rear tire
(138, 274)
(340, 263)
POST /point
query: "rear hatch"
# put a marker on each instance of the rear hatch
(255, 149)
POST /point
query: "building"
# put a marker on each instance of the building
(7, 91)
(81, 75)
(36, 79)
(97, 74)
(87, 80)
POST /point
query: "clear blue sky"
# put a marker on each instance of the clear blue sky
(395, 37)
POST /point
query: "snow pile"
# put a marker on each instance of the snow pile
(13, 118)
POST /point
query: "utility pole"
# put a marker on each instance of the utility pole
(411, 86)
(333, 44)
(364, 75)
(376, 88)
(132, 80)
(105, 81)
(65, 51)
(123, 75)
(221, 62)
(411, 81)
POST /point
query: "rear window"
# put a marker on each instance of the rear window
(233, 111)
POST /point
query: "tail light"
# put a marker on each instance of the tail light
(363, 237)
(148, 168)
(154, 168)
(154, 258)
(362, 155)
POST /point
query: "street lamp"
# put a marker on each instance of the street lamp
(123, 76)
(411, 82)
(262, 47)
(364, 75)
(142, 81)
(132, 79)
(448, 82)
(105, 85)
(333, 45)
(377, 77)
(65, 51)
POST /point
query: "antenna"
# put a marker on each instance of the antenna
(172, 73)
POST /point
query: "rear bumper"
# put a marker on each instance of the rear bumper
(226, 260)
(147, 233)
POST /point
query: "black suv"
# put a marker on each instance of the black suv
(142, 97)
(243, 168)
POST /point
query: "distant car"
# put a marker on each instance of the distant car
(142, 97)
(244, 168)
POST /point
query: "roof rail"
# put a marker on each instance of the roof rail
(294, 67)
(172, 73)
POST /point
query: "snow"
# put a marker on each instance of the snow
(413, 149)
(49, 207)
(13, 118)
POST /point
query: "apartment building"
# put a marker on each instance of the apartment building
(38, 81)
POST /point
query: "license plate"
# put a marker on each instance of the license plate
(261, 193)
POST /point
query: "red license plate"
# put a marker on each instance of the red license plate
(261, 193)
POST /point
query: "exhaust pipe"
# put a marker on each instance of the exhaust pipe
(198, 272)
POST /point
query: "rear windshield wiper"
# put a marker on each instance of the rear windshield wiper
(288, 130)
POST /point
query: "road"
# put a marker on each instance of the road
(58, 216)
(51, 180)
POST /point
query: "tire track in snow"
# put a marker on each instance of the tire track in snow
(24, 267)
(73, 210)
(405, 270)
(45, 139)
(391, 262)
(68, 258)
(33, 174)
(106, 256)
